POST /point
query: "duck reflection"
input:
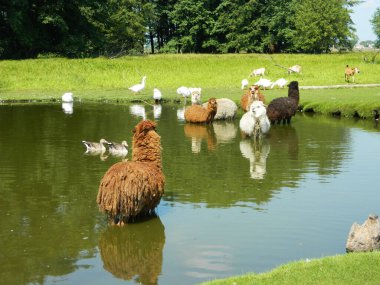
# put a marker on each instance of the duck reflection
(68, 107)
(138, 110)
(134, 252)
(157, 110)
(198, 133)
(181, 113)
(102, 155)
(257, 152)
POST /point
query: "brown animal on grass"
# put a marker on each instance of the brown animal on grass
(131, 189)
(350, 73)
(282, 109)
(251, 95)
(198, 114)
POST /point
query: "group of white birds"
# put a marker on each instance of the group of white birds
(266, 83)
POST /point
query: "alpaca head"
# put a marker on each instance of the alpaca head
(196, 96)
(293, 85)
(212, 108)
(146, 144)
(257, 109)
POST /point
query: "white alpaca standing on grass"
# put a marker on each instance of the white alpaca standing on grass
(255, 121)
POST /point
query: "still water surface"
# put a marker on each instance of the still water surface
(230, 207)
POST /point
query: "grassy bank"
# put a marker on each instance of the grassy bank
(353, 269)
(102, 79)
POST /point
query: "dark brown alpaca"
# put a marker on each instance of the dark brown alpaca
(130, 189)
(282, 109)
(251, 95)
(198, 114)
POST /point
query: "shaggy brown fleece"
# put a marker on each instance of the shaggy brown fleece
(198, 114)
(251, 95)
(134, 188)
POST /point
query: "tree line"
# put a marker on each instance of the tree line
(87, 28)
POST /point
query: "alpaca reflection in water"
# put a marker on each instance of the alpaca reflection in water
(217, 132)
(134, 252)
(257, 152)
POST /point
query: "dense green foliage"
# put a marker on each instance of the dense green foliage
(375, 21)
(84, 28)
(353, 269)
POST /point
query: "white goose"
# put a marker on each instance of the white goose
(67, 97)
(280, 83)
(244, 83)
(138, 87)
(263, 82)
(95, 146)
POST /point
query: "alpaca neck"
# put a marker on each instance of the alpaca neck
(147, 152)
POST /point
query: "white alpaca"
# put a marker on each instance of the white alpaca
(257, 153)
(255, 121)
(195, 94)
(226, 109)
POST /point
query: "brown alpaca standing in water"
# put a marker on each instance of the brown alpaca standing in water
(198, 114)
(251, 95)
(130, 189)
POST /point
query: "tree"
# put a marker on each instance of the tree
(193, 23)
(321, 24)
(375, 21)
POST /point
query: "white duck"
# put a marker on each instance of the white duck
(157, 110)
(68, 97)
(95, 146)
(138, 87)
(280, 83)
(118, 149)
(263, 82)
(157, 95)
(244, 83)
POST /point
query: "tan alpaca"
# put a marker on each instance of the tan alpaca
(198, 114)
(130, 189)
(251, 95)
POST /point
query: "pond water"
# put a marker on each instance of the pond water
(230, 206)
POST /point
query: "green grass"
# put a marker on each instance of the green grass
(352, 269)
(102, 79)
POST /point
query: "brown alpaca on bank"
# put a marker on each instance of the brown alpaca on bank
(251, 95)
(199, 114)
(130, 189)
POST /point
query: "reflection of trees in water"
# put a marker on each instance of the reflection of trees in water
(134, 251)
